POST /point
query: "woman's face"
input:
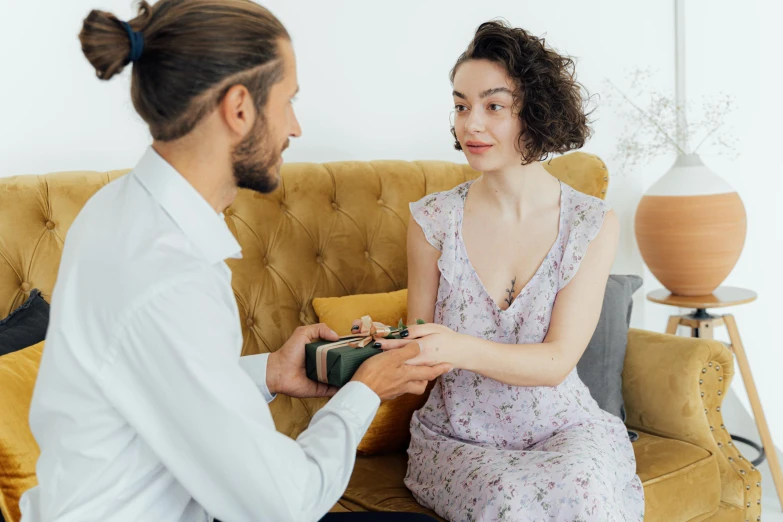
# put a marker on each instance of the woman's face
(485, 120)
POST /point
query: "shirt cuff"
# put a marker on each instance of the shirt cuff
(358, 399)
(255, 367)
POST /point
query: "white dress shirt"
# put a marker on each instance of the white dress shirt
(143, 408)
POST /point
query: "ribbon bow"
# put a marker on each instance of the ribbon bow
(369, 331)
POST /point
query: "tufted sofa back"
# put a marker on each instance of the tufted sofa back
(331, 229)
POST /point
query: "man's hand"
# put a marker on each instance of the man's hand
(390, 375)
(285, 370)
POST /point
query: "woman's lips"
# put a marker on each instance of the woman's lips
(477, 147)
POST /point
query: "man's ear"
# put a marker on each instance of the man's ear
(238, 110)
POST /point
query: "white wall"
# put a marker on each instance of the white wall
(374, 80)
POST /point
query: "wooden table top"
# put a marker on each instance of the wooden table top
(722, 296)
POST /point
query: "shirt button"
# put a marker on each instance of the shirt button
(25, 287)
(50, 225)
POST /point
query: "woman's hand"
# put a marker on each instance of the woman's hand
(438, 344)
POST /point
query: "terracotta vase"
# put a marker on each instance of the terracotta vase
(690, 227)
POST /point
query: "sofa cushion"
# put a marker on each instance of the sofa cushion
(680, 481)
(26, 325)
(18, 449)
(601, 366)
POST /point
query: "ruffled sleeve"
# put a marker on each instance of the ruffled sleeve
(584, 218)
(434, 217)
(438, 215)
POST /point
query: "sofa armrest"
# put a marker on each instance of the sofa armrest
(673, 387)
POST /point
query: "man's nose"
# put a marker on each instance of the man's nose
(296, 129)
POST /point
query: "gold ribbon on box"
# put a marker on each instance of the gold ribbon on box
(369, 331)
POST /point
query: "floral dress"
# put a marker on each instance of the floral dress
(484, 450)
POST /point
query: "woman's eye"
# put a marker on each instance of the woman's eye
(460, 108)
(495, 107)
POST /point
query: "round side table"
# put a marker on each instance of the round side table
(702, 324)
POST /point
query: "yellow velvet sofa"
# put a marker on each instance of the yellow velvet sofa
(339, 228)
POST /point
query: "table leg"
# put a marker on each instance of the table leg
(674, 322)
(755, 403)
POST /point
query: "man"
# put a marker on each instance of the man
(143, 409)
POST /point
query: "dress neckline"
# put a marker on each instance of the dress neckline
(540, 268)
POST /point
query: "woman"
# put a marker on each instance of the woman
(512, 268)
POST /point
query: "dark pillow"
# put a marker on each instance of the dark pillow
(601, 366)
(26, 325)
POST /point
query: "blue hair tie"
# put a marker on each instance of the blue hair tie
(136, 42)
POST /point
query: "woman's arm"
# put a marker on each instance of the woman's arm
(423, 275)
(574, 318)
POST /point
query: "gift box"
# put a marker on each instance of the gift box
(335, 362)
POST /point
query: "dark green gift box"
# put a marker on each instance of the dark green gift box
(341, 363)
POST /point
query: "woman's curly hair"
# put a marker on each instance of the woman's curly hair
(552, 108)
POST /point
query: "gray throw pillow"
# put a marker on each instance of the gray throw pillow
(601, 366)
(26, 325)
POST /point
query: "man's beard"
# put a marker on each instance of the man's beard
(256, 160)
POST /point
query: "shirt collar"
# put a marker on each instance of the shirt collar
(204, 227)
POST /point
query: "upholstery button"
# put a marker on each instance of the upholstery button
(227, 212)
(319, 260)
(366, 254)
(25, 287)
(50, 225)
(302, 317)
(334, 205)
(380, 202)
(266, 261)
(249, 322)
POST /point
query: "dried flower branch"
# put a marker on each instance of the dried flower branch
(651, 129)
